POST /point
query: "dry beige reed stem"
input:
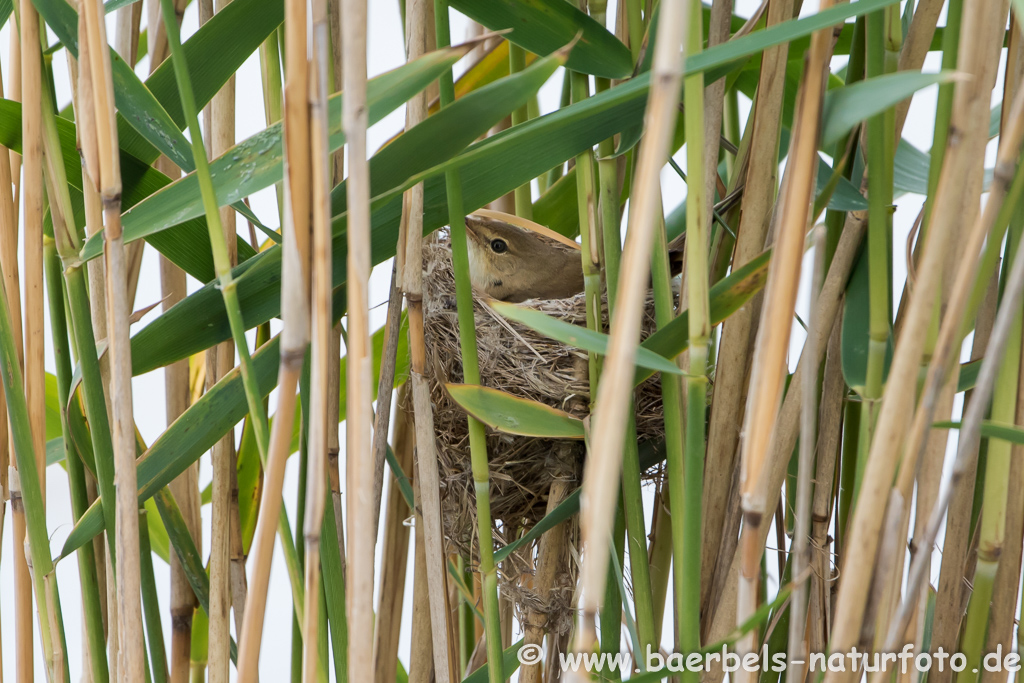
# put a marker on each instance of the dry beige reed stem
(9, 266)
(1004, 592)
(222, 455)
(35, 300)
(950, 332)
(970, 432)
(549, 555)
(421, 651)
(12, 287)
(427, 477)
(971, 100)
(32, 350)
(263, 539)
(768, 368)
(334, 388)
(603, 468)
(185, 490)
(786, 431)
(916, 46)
(394, 553)
(295, 333)
(386, 381)
(830, 424)
(358, 448)
(105, 176)
(802, 515)
(321, 337)
(126, 44)
(157, 46)
(939, 386)
(734, 353)
(34, 330)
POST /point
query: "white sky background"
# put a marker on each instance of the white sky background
(386, 52)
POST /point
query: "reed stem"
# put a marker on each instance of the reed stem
(697, 233)
(471, 375)
(613, 398)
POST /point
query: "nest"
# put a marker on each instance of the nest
(521, 362)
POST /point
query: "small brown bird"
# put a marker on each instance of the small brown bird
(514, 259)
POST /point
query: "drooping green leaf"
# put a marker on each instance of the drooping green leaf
(717, 60)
(159, 541)
(54, 450)
(514, 415)
(577, 336)
(187, 553)
(543, 26)
(6, 11)
(845, 107)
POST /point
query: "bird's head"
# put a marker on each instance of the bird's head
(513, 259)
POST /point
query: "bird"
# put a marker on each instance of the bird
(513, 259)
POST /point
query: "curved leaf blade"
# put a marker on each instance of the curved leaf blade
(576, 335)
(846, 107)
(544, 26)
(514, 415)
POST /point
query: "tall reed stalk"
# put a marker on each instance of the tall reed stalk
(430, 591)
(768, 366)
(358, 448)
(698, 224)
(604, 463)
(221, 132)
(890, 430)
(295, 301)
(471, 375)
(31, 355)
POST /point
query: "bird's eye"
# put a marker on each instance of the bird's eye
(499, 246)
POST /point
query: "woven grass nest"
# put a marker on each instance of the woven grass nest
(521, 362)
